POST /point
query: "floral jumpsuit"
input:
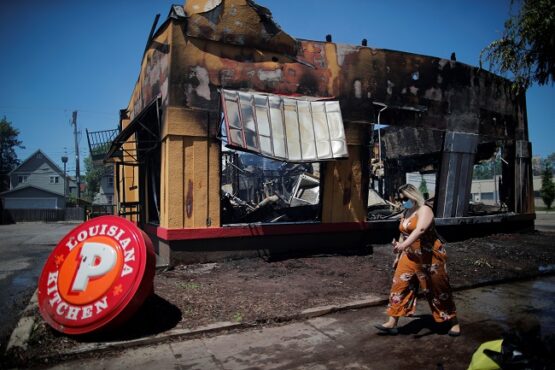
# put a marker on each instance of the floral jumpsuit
(422, 265)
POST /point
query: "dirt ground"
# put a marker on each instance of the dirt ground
(257, 291)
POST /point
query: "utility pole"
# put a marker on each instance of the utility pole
(64, 161)
(77, 172)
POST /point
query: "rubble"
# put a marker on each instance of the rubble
(258, 189)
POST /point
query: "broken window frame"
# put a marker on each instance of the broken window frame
(291, 129)
(264, 129)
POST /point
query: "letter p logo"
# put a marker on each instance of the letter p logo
(97, 259)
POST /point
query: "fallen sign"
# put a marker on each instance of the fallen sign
(97, 276)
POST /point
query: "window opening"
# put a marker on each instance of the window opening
(138, 150)
(393, 162)
(425, 182)
(149, 155)
(259, 189)
(272, 147)
(488, 193)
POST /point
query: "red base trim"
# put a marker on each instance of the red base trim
(252, 230)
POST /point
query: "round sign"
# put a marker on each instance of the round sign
(97, 276)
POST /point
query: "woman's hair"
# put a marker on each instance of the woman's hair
(413, 193)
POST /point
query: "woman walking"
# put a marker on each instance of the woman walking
(421, 256)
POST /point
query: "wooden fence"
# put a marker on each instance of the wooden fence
(96, 210)
(44, 215)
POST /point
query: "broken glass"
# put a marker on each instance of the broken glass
(299, 129)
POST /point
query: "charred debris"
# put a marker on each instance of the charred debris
(259, 189)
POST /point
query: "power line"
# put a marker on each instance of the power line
(43, 109)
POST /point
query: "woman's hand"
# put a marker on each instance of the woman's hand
(394, 243)
(397, 247)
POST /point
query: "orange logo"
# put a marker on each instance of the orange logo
(89, 270)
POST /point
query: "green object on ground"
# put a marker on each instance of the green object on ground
(480, 361)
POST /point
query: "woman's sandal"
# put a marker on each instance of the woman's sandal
(386, 330)
(454, 321)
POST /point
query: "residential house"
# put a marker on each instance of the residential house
(38, 183)
(105, 195)
(538, 201)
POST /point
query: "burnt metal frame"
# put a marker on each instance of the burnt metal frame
(132, 128)
(123, 201)
(117, 149)
(98, 140)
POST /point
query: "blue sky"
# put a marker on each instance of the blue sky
(60, 56)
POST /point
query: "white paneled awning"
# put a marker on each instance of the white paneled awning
(292, 129)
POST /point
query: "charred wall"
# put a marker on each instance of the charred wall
(426, 97)
(235, 44)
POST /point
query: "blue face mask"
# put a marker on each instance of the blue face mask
(407, 204)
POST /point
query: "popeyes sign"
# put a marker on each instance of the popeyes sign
(97, 276)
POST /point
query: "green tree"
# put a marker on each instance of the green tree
(550, 159)
(8, 158)
(485, 171)
(423, 186)
(547, 191)
(93, 176)
(482, 171)
(527, 45)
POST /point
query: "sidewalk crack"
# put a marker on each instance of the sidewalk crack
(322, 332)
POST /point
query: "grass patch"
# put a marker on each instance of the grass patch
(189, 285)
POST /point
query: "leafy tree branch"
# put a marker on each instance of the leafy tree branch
(526, 50)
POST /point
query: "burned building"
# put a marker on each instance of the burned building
(221, 84)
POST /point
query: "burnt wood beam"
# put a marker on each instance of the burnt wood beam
(455, 175)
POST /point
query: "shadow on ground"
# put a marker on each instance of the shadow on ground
(155, 316)
(420, 326)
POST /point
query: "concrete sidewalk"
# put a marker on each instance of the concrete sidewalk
(347, 340)
(545, 221)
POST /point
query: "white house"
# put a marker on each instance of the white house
(38, 183)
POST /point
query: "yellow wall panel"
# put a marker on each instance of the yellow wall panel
(188, 186)
(342, 200)
(175, 171)
(214, 185)
(200, 181)
(199, 205)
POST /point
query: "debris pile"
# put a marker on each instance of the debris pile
(258, 189)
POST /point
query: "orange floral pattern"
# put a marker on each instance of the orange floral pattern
(422, 268)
